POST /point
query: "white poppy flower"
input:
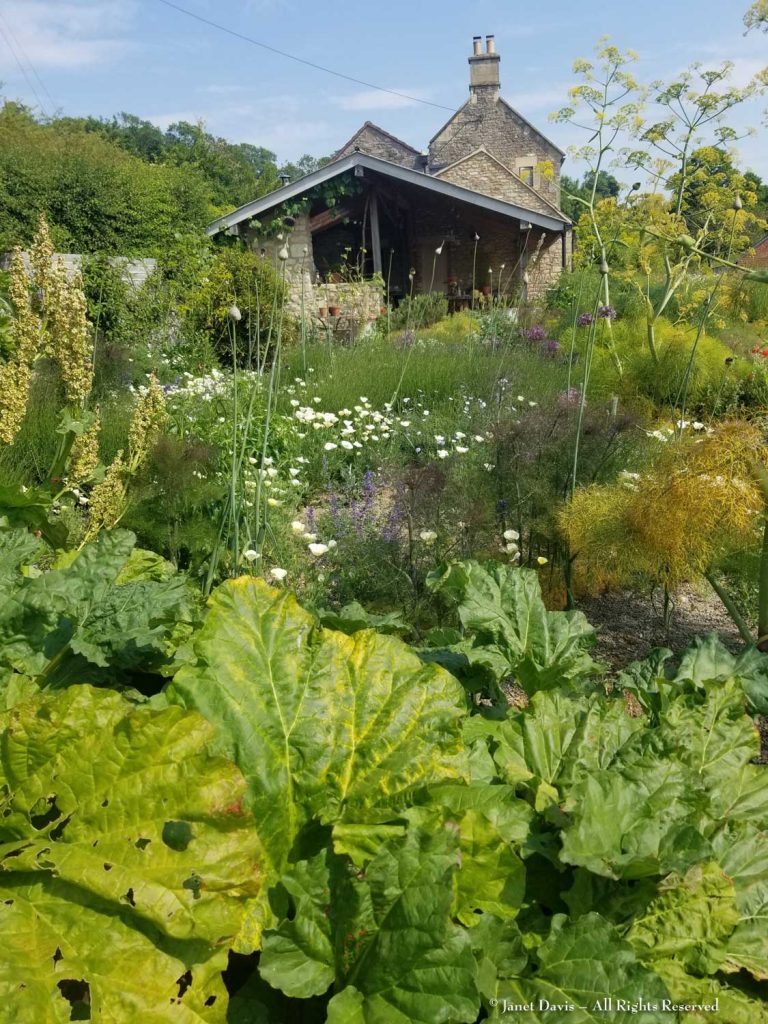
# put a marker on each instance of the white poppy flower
(278, 574)
(318, 549)
(250, 555)
(428, 536)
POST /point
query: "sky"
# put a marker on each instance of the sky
(104, 56)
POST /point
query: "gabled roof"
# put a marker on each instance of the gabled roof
(370, 125)
(500, 99)
(428, 182)
(517, 179)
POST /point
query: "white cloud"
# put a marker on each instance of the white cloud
(68, 34)
(374, 99)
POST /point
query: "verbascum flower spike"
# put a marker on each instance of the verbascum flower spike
(16, 375)
(107, 502)
(70, 335)
(148, 419)
(84, 457)
(41, 257)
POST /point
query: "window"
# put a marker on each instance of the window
(526, 173)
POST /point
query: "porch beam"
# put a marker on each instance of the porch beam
(328, 218)
(375, 234)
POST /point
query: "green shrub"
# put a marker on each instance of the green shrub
(661, 382)
(419, 311)
(239, 277)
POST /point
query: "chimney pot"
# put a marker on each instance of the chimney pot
(476, 45)
(490, 44)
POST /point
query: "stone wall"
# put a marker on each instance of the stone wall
(484, 173)
(360, 301)
(299, 267)
(375, 141)
(487, 120)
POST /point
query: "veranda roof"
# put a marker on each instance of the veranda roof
(390, 170)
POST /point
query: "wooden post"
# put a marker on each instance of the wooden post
(375, 234)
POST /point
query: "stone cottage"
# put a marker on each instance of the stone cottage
(477, 213)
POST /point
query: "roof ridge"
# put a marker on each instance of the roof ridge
(383, 131)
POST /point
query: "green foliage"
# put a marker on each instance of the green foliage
(603, 184)
(263, 672)
(387, 945)
(660, 381)
(416, 311)
(237, 276)
(108, 614)
(125, 861)
(508, 629)
(96, 197)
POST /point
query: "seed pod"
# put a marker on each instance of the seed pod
(234, 313)
(283, 254)
(687, 241)
(737, 203)
(603, 267)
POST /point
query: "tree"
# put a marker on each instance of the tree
(757, 16)
(712, 186)
(572, 191)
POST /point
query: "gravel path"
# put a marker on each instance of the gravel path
(630, 625)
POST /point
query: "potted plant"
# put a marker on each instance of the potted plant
(322, 312)
(334, 310)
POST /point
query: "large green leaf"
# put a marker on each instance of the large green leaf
(30, 507)
(689, 920)
(126, 859)
(575, 970)
(635, 820)
(493, 824)
(710, 1000)
(324, 726)
(560, 737)
(383, 935)
(669, 788)
(64, 625)
(742, 851)
(513, 631)
(714, 736)
(708, 660)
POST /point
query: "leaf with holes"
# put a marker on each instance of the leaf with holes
(122, 842)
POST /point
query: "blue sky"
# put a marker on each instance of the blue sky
(103, 56)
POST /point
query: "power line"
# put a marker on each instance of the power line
(23, 70)
(29, 61)
(299, 60)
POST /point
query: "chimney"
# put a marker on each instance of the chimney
(484, 69)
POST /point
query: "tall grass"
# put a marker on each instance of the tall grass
(438, 371)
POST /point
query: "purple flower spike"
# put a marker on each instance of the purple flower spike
(585, 319)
